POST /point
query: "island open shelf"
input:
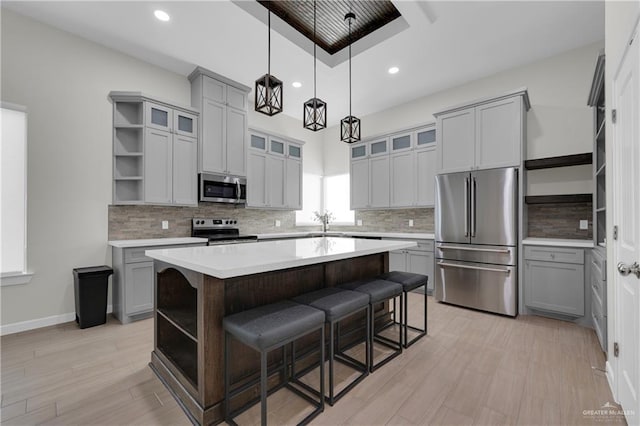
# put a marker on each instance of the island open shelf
(190, 305)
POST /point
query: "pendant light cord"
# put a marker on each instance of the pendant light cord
(269, 43)
(349, 67)
(314, 49)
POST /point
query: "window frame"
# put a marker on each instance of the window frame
(20, 277)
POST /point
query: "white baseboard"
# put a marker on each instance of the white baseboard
(611, 380)
(18, 327)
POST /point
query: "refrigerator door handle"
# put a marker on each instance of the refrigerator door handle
(473, 249)
(478, 268)
(466, 207)
(473, 207)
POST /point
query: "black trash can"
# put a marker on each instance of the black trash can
(91, 285)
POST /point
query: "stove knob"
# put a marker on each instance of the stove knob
(235, 221)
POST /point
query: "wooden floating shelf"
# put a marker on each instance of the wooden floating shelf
(561, 161)
(556, 199)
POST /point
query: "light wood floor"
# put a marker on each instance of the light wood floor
(472, 368)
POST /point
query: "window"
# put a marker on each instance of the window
(337, 199)
(13, 189)
(330, 193)
(311, 201)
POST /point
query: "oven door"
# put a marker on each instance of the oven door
(222, 189)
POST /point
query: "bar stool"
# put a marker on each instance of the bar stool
(264, 329)
(409, 281)
(337, 305)
(379, 291)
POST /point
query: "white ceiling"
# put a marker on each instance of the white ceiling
(446, 44)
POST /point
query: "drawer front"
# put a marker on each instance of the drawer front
(136, 254)
(133, 255)
(424, 245)
(554, 254)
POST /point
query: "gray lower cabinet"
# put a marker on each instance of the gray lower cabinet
(133, 282)
(419, 260)
(554, 280)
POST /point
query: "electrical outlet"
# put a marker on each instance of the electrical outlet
(359, 222)
(277, 223)
(410, 222)
(584, 224)
(165, 224)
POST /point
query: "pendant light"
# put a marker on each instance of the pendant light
(350, 125)
(268, 88)
(314, 110)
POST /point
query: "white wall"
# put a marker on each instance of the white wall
(559, 122)
(64, 82)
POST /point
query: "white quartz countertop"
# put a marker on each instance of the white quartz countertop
(233, 260)
(156, 242)
(410, 235)
(557, 242)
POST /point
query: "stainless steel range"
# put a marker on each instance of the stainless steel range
(219, 231)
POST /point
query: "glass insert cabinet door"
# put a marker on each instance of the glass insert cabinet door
(359, 151)
(401, 142)
(185, 124)
(379, 148)
(276, 147)
(426, 137)
(294, 151)
(258, 142)
(158, 117)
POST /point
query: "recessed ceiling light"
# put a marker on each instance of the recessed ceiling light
(161, 15)
(394, 70)
(296, 84)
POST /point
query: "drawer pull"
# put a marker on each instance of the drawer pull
(478, 268)
(474, 249)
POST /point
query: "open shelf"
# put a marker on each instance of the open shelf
(182, 319)
(128, 114)
(128, 140)
(179, 348)
(556, 199)
(177, 301)
(127, 167)
(561, 161)
(128, 190)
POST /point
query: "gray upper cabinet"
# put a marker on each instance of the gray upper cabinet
(360, 184)
(482, 135)
(499, 134)
(154, 151)
(158, 164)
(394, 171)
(456, 141)
(274, 175)
(223, 140)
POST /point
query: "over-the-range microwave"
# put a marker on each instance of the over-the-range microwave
(222, 189)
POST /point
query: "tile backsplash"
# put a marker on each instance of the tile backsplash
(560, 220)
(134, 222)
(139, 221)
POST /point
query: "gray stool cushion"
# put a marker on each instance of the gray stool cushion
(268, 325)
(409, 280)
(377, 289)
(335, 302)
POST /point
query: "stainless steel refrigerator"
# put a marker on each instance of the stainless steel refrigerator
(476, 240)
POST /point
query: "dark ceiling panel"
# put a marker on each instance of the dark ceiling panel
(332, 31)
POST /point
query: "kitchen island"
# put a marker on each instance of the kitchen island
(195, 287)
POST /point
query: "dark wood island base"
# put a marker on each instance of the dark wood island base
(189, 306)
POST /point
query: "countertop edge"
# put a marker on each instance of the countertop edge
(557, 242)
(151, 242)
